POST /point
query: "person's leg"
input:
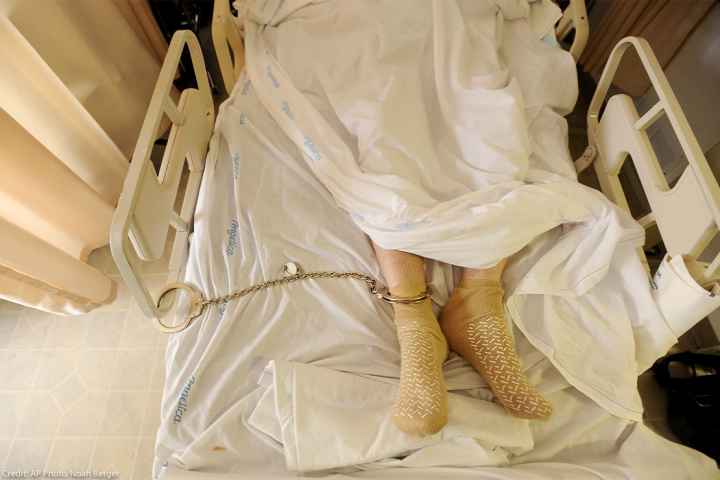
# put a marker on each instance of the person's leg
(421, 406)
(473, 322)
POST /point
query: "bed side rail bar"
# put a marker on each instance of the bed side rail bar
(574, 18)
(228, 43)
(146, 209)
(688, 214)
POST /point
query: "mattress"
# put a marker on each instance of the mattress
(260, 206)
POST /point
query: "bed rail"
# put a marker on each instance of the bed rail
(574, 18)
(228, 43)
(147, 206)
(686, 215)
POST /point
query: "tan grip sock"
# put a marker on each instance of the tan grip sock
(473, 322)
(421, 406)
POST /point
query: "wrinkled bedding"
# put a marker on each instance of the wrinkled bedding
(438, 131)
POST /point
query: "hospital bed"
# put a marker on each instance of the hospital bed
(155, 203)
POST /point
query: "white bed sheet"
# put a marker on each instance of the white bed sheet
(260, 206)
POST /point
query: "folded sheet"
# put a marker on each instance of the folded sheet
(681, 299)
(326, 419)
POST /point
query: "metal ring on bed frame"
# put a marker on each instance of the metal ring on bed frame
(197, 303)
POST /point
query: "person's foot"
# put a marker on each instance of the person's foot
(421, 405)
(474, 325)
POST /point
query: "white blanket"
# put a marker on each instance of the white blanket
(435, 124)
(585, 317)
(438, 130)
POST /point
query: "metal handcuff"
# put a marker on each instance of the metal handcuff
(292, 273)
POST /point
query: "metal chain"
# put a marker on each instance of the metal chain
(199, 302)
(369, 281)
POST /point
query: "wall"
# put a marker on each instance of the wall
(694, 74)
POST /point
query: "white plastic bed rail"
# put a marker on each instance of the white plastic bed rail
(688, 214)
(574, 18)
(228, 44)
(146, 209)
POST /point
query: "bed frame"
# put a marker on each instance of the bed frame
(147, 209)
(148, 205)
(687, 215)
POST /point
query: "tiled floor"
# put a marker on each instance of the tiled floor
(81, 393)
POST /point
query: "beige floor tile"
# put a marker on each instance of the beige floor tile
(139, 330)
(31, 329)
(11, 412)
(104, 329)
(151, 418)
(8, 322)
(67, 332)
(133, 369)
(69, 392)
(163, 341)
(115, 455)
(144, 459)
(157, 379)
(70, 454)
(84, 418)
(5, 444)
(55, 366)
(124, 414)
(40, 417)
(96, 368)
(18, 369)
(78, 392)
(28, 454)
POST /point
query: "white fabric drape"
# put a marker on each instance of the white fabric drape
(75, 80)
